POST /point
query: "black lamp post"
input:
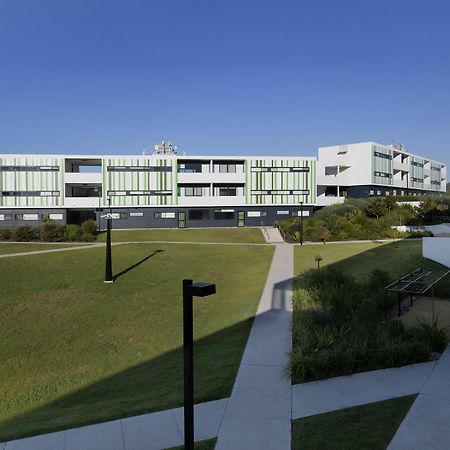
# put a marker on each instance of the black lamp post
(190, 289)
(301, 223)
(108, 268)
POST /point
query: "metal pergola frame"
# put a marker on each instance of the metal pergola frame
(417, 282)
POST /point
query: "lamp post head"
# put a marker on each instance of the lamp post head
(202, 289)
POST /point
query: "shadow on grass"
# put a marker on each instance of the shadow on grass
(153, 385)
(128, 269)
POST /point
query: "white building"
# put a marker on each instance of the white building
(371, 169)
(166, 189)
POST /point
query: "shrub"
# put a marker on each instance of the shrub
(51, 231)
(25, 233)
(6, 234)
(337, 328)
(431, 334)
(72, 232)
(89, 227)
(86, 237)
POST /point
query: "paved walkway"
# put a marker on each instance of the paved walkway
(154, 431)
(65, 249)
(319, 397)
(427, 424)
(272, 235)
(258, 414)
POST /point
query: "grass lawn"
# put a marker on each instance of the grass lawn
(361, 258)
(367, 427)
(76, 351)
(209, 444)
(21, 248)
(238, 235)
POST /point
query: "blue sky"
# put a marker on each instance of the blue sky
(223, 77)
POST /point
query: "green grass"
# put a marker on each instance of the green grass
(368, 427)
(361, 258)
(76, 351)
(21, 248)
(235, 235)
(209, 444)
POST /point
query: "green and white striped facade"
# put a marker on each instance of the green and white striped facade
(214, 191)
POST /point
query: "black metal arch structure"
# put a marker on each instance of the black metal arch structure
(417, 282)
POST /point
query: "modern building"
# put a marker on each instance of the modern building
(370, 169)
(158, 190)
(164, 189)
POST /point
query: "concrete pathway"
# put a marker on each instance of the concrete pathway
(272, 235)
(323, 396)
(153, 431)
(54, 250)
(427, 424)
(258, 414)
(165, 428)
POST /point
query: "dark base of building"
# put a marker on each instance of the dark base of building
(158, 217)
(365, 191)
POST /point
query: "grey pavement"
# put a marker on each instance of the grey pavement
(273, 235)
(54, 250)
(258, 414)
(323, 396)
(153, 431)
(427, 424)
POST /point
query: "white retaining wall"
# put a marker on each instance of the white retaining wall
(437, 249)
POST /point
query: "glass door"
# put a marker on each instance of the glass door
(181, 219)
(241, 219)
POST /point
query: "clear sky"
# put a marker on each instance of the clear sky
(223, 76)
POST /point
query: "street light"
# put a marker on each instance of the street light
(190, 289)
(108, 268)
(301, 223)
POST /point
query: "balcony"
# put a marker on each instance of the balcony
(83, 178)
(323, 200)
(400, 166)
(81, 202)
(211, 177)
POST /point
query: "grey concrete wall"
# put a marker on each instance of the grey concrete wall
(148, 220)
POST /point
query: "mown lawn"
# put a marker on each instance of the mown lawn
(367, 427)
(361, 258)
(21, 248)
(76, 351)
(235, 235)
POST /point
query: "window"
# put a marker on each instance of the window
(136, 214)
(299, 213)
(193, 191)
(227, 191)
(282, 212)
(199, 214)
(139, 169)
(280, 169)
(378, 192)
(382, 155)
(5, 216)
(227, 167)
(331, 170)
(382, 174)
(371, 192)
(164, 215)
(30, 193)
(257, 214)
(29, 168)
(27, 216)
(55, 216)
(223, 214)
(190, 167)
